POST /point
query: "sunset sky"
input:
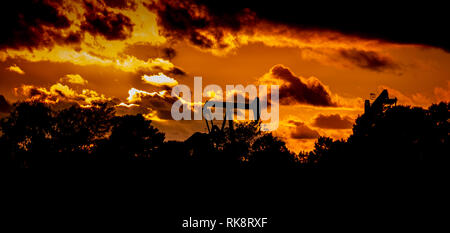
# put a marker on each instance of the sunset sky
(131, 53)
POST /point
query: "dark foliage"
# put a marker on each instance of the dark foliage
(400, 137)
(34, 135)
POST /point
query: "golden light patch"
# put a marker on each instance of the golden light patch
(136, 95)
(153, 116)
(74, 79)
(16, 69)
(159, 80)
(60, 54)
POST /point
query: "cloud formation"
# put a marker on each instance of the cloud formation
(302, 131)
(82, 33)
(33, 24)
(153, 105)
(146, 50)
(73, 79)
(104, 32)
(101, 21)
(59, 93)
(159, 80)
(333, 121)
(362, 58)
(16, 69)
(381, 21)
(297, 90)
(368, 59)
(194, 21)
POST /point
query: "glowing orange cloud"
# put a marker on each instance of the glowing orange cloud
(59, 93)
(73, 79)
(90, 44)
(16, 69)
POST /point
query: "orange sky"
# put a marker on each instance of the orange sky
(144, 55)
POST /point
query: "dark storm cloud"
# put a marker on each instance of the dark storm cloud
(4, 105)
(368, 59)
(416, 23)
(294, 90)
(302, 131)
(188, 19)
(334, 121)
(32, 24)
(121, 4)
(101, 21)
(40, 23)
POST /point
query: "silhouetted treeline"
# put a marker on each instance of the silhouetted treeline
(399, 137)
(35, 135)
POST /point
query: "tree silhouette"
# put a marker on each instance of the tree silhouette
(399, 137)
(247, 147)
(77, 130)
(37, 135)
(132, 138)
(270, 151)
(26, 134)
